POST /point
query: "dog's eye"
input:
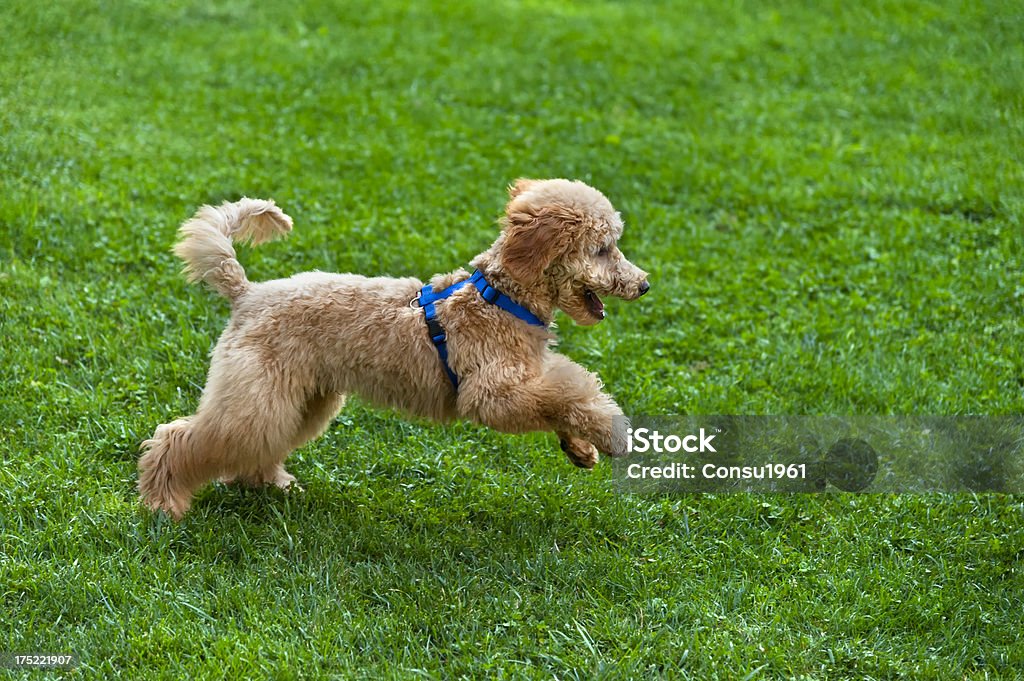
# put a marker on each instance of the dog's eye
(603, 251)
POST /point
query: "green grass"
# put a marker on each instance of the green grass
(828, 198)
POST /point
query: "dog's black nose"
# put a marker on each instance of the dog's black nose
(644, 287)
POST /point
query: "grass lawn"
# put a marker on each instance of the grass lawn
(829, 201)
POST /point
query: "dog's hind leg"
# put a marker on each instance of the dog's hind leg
(184, 455)
(176, 461)
(247, 424)
(317, 414)
(314, 416)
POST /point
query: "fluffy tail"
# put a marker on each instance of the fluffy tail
(205, 241)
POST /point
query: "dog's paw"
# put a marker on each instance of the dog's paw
(278, 477)
(286, 481)
(580, 452)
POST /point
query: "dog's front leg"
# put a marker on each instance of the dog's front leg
(563, 397)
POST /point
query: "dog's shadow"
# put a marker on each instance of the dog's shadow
(493, 506)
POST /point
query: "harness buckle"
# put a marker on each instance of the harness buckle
(490, 294)
(436, 331)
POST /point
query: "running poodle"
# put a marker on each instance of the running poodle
(475, 347)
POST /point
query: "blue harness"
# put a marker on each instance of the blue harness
(427, 298)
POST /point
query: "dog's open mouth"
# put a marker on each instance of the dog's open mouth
(594, 304)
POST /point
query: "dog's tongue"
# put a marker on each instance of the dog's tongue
(595, 305)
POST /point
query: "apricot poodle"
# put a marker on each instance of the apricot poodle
(467, 347)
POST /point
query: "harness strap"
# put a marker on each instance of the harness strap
(496, 297)
(428, 297)
(438, 336)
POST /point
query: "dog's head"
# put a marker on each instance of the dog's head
(560, 240)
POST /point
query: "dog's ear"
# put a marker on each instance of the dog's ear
(519, 186)
(534, 238)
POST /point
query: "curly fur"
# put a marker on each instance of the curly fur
(294, 347)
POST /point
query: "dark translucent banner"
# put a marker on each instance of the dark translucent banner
(884, 454)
